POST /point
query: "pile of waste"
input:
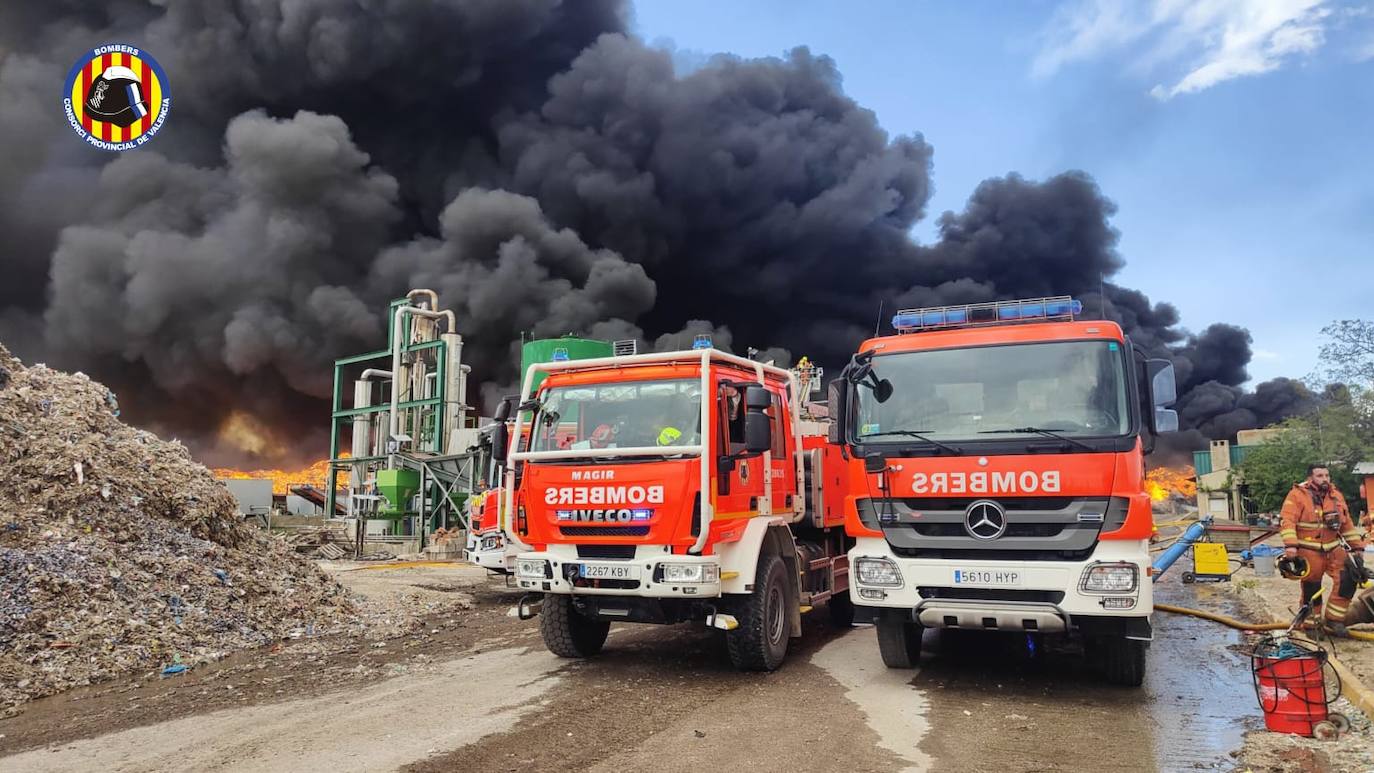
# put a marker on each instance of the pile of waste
(119, 553)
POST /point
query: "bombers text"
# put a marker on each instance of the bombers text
(603, 495)
(1027, 482)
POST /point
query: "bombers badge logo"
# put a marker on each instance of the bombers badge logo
(116, 97)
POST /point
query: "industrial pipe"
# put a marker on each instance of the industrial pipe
(433, 297)
(1180, 546)
(398, 324)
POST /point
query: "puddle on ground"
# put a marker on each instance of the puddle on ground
(1202, 693)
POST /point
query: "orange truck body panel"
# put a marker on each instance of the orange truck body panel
(1119, 474)
(669, 487)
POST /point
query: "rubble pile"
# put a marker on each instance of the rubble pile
(119, 553)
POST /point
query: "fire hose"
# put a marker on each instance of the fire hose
(1241, 625)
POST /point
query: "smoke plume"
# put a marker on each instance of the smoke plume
(543, 170)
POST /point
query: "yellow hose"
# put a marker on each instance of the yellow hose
(1244, 626)
(1224, 620)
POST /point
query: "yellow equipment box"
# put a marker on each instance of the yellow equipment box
(1209, 558)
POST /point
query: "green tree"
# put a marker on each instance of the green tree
(1339, 434)
(1348, 354)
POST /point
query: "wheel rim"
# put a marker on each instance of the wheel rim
(774, 614)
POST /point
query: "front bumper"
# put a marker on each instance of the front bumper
(1047, 595)
(489, 552)
(643, 574)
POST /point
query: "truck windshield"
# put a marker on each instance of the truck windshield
(1071, 388)
(661, 414)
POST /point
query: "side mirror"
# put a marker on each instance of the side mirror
(875, 463)
(500, 441)
(758, 433)
(757, 398)
(503, 408)
(837, 400)
(882, 390)
(1166, 420)
(1163, 386)
(758, 429)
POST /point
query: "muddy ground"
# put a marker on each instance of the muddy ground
(469, 688)
(1273, 598)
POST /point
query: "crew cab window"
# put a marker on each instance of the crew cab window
(732, 417)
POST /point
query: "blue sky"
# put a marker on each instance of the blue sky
(1235, 137)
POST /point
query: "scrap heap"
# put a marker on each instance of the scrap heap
(118, 553)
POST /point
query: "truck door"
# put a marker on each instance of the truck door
(783, 467)
(739, 487)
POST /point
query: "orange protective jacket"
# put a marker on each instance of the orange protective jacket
(1305, 527)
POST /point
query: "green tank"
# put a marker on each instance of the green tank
(544, 349)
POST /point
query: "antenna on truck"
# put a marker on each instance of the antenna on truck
(878, 323)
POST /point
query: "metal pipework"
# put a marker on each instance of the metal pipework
(398, 324)
(433, 297)
(455, 390)
(364, 424)
(1180, 546)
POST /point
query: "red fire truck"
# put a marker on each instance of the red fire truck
(995, 475)
(671, 487)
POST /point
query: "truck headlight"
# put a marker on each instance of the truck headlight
(532, 568)
(1110, 578)
(878, 571)
(702, 573)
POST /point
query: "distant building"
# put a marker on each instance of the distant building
(254, 495)
(1365, 472)
(1221, 494)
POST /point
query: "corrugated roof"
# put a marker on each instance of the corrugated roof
(1364, 468)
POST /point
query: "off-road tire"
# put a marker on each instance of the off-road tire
(841, 610)
(568, 633)
(899, 642)
(1122, 660)
(760, 641)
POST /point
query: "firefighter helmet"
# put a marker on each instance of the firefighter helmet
(1294, 568)
(116, 97)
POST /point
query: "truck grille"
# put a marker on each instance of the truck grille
(603, 531)
(1037, 528)
(612, 552)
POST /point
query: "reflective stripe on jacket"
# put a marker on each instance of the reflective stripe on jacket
(1304, 526)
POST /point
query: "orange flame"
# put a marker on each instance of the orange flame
(1164, 482)
(316, 475)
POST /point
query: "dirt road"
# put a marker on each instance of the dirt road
(474, 690)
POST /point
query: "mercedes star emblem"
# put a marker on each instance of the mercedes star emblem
(985, 519)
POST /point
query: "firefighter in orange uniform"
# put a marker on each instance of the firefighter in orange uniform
(1314, 514)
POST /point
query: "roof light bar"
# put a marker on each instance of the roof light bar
(702, 341)
(974, 314)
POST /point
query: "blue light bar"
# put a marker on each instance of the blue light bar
(560, 355)
(702, 342)
(1029, 310)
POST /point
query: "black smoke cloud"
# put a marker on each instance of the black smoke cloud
(543, 170)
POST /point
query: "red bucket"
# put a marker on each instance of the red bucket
(1290, 686)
